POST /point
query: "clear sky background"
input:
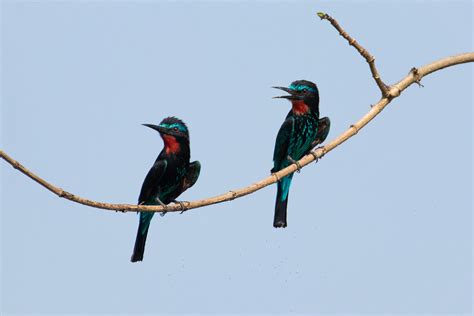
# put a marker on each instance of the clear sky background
(383, 224)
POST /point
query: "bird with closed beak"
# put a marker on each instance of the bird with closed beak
(170, 175)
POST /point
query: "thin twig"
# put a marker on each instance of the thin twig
(365, 53)
(392, 93)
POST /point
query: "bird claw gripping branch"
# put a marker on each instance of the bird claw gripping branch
(298, 166)
(181, 205)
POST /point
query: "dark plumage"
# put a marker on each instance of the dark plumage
(301, 131)
(170, 175)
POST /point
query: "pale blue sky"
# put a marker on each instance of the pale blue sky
(383, 224)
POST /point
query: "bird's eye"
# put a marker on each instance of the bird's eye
(175, 129)
(305, 90)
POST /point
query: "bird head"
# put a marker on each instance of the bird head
(302, 92)
(174, 132)
(171, 126)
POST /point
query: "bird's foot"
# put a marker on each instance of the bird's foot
(298, 166)
(316, 158)
(165, 208)
(323, 150)
(164, 211)
(313, 153)
(276, 176)
(181, 205)
(141, 203)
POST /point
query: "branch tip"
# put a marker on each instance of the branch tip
(322, 15)
(362, 51)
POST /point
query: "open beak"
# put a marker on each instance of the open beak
(292, 93)
(156, 128)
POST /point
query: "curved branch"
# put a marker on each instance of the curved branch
(391, 93)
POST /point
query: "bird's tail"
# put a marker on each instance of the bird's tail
(139, 249)
(281, 202)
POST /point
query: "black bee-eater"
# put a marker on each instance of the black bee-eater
(301, 131)
(170, 175)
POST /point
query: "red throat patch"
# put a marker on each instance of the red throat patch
(299, 107)
(171, 144)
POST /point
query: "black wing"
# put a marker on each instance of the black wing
(191, 175)
(323, 130)
(282, 142)
(152, 180)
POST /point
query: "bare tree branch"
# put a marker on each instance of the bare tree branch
(368, 57)
(388, 94)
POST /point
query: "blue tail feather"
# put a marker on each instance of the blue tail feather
(142, 232)
(283, 189)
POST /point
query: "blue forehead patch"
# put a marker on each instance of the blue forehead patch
(301, 88)
(181, 127)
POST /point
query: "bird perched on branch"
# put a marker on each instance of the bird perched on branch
(301, 131)
(170, 175)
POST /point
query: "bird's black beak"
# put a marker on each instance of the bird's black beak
(292, 93)
(156, 128)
